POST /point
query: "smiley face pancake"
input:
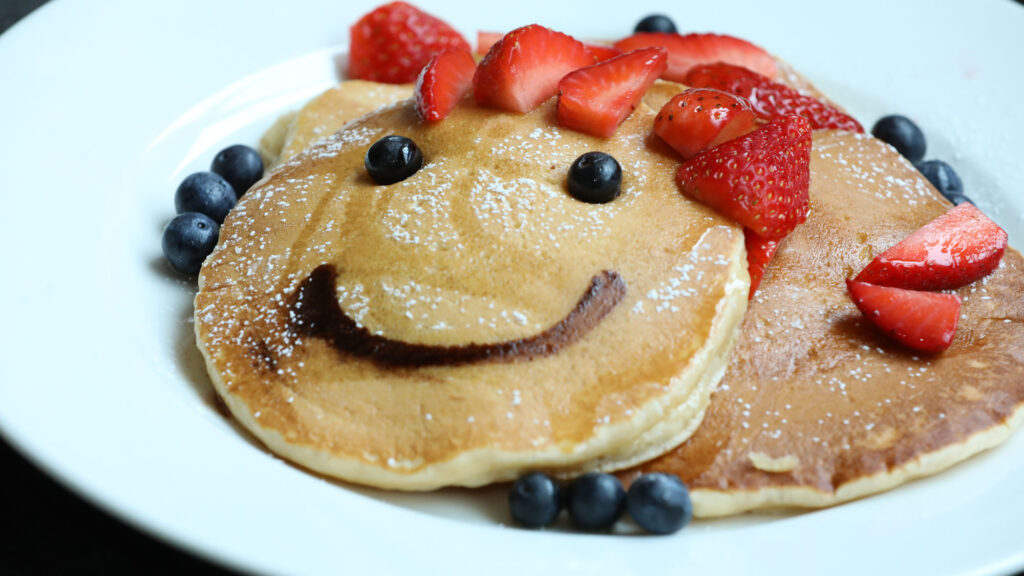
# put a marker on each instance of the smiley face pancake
(817, 407)
(475, 320)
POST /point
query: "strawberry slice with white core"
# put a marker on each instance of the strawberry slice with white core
(924, 321)
(701, 118)
(443, 82)
(596, 99)
(688, 50)
(760, 179)
(522, 70)
(959, 247)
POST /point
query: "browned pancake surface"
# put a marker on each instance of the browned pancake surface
(482, 247)
(817, 406)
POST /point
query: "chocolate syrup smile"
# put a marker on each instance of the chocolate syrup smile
(316, 313)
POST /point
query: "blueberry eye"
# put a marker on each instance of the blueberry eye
(595, 178)
(393, 159)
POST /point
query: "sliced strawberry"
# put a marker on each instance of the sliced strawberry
(443, 82)
(769, 99)
(689, 50)
(596, 99)
(759, 179)
(522, 69)
(702, 118)
(484, 40)
(759, 253)
(392, 43)
(602, 52)
(955, 249)
(924, 321)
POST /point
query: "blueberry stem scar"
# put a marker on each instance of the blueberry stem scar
(317, 313)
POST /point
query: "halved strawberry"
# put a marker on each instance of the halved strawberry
(443, 82)
(924, 321)
(759, 253)
(485, 39)
(702, 118)
(596, 99)
(768, 98)
(392, 43)
(522, 69)
(955, 249)
(759, 179)
(689, 50)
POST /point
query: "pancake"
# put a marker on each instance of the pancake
(324, 115)
(350, 99)
(474, 321)
(817, 407)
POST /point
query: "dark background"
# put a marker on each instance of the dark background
(48, 530)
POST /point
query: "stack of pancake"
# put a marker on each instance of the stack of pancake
(475, 322)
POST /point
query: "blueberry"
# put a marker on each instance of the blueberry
(903, 134)
(595, 501)
(945, 180)
(206, 193)
(595, 177)
(240, 165)
(659, 503)
(656, 23)
(535, 500)
(393, 159)
(188, 239)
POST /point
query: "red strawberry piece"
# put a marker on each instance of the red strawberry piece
(689, 50)
(955, 249)
(759, 253)
(392, 43)
(924, 321)
(759, 179)
(484, 40)
(702, 118)
(769, 99)
(522, 70)
(602, 52)
(443, 82)
(596, 99)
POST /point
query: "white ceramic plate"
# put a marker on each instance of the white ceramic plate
(106, 105)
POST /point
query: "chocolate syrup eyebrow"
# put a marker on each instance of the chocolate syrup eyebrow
(317, 313)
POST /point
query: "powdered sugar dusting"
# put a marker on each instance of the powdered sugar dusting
(419, 211)
(862, 174)
(532, 214)
(685, 281)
